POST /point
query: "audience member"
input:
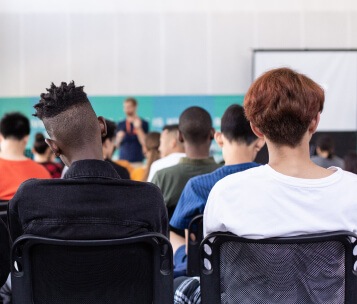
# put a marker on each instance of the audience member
(151, 151)
(92, 201)
(325, 153)
(108, 147)
(196, 134)
(290, 195)
(284, 108)
(351, 162)
(171, 150)
(239, 148)
(15, 168)
(44, 156)
(131, 133)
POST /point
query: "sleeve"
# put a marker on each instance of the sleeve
(190, 204)
(212, 220)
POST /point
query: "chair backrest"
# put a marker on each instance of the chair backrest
(3, 205)
(305, 269)
(131, 270)
(195, 237)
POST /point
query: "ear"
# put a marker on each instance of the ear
(180, 137)
(218, 138)
(314, 123)
(102, 125)
(26, 138)
(257, 131)
(54, 147)
(211, 135)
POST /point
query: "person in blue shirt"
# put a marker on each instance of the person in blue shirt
(131, 133)
(239, 148)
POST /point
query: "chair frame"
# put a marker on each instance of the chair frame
(193, 251)
(210, 278)
(163, 263)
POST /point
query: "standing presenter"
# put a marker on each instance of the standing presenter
(131, 133)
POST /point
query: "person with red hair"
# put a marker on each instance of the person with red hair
(291, 194)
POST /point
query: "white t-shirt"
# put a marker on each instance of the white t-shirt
(262, 203)
(165, 162)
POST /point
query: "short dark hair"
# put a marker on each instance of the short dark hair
(132, 100)
(40, 145)
(59, 99)
(282, 103)
(195, 125)
(235, 126)
(14, 125)
(171, 128)
(111, 128)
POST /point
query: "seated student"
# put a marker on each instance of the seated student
(92, 191)
(15, 167)
(239, 148)
(325, 153)
(196, 134)
(151, 152)
(43, 155)
(290, 195)
(171, 150)
(108, 147)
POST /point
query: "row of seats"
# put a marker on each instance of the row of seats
(305, 269)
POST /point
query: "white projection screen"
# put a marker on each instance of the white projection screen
(335, 71)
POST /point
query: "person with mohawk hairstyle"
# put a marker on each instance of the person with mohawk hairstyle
(92, 201)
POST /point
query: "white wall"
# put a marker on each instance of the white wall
(154, 47)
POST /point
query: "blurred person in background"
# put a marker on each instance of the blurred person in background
(325, 150)
(151, 151)
(171, 150)
(108, 146)
(15, 167)
(131, 133)
(44, 156)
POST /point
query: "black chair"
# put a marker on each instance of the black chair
(4, 253)
(136, 269)
(195, 237)
(3, 205)
(305, 269)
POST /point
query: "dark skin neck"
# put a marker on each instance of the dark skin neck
(197, 151)
(85, 153)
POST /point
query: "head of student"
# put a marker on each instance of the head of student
(129, 106)
(195, 127)
(284, 107)
(236, 131)
(169, 140)
(15, 126)
(75, 131)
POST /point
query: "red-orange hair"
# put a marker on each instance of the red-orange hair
(282, 103)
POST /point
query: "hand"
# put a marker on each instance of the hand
(119, 138)
(137, 123)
